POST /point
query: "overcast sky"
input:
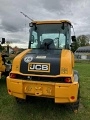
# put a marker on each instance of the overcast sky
(15, 27)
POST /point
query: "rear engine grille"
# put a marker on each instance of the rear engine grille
(39, 78)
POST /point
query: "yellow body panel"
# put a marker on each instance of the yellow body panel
(17, 60)
(51, 22)
(61, 92)
(2, 66)
(67, 65)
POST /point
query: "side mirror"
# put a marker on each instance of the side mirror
(3, 41)
(74, 38)
(31, 24)
(72, 45)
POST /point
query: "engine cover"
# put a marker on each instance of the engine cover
(38, 61)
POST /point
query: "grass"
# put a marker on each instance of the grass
(46, 109)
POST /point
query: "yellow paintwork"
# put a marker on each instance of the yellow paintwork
(17, 60)
(2, 66)
(61, 92)
(66, 59)
(67, 63)
(51, 22)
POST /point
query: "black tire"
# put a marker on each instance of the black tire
(19, 100)
(75, 105)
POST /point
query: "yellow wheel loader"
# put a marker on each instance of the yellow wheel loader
(5, 66)
(46, 68)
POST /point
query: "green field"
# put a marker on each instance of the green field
(46, 109)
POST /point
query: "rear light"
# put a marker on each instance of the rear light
(72, 97)
(9, 90)
(12, 75)
(67, 80)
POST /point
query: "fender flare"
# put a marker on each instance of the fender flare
(76, 76)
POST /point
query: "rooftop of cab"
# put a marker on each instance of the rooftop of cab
(51, 21)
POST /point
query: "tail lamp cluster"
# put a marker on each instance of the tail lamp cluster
(67, 80)
(60, 80)
(13, 75)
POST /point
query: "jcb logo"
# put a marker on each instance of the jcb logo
(39, 67)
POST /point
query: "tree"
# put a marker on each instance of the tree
(8, 43)
(82, 40)
(1, 48)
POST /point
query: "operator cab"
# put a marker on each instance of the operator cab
(50, 35)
